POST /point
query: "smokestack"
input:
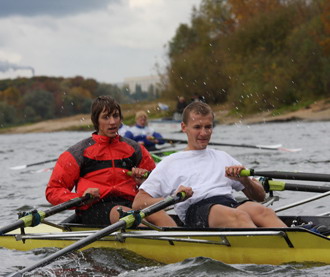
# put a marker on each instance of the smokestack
(6, 66)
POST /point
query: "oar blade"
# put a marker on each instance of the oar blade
(289, 149)
(18, 167)
(274, 146)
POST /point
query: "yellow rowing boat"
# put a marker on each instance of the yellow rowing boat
(169, 245)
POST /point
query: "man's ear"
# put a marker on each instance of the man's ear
(183, 127)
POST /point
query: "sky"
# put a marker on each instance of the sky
(107, 40)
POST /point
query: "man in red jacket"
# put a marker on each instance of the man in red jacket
(98, 165)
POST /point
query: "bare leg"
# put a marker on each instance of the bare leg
(222, 216)
(161, 219)
(114, 214)
(261, 215)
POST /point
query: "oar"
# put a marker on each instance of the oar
(280, 186)
(167, 152)
(266, 147)
(42, 170)
(287, 175)
(36, 217)
(124, 222)
(145, 175)
(319, 196)
(156, 159)
(33, 164)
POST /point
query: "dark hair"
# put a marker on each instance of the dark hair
(100, 104)
(198, 108)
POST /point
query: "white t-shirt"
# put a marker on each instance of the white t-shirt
(122, 129)
(141, 131)
(202, 170)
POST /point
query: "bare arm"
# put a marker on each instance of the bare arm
(144, 199)
(161, 218)
(253, 189)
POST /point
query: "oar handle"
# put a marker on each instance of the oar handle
(68, 204)
(145, 175)
(247, 172)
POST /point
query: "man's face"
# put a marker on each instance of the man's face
(199, 130)
(109, 123)
(142, 121)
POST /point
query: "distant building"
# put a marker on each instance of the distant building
(143, 83)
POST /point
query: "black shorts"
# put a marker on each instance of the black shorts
(99, 213)
(197, 214)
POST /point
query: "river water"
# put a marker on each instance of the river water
(23, 190)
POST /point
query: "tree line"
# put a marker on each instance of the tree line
(28, 100)
(256, 55)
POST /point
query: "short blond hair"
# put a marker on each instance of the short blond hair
(198, 108)
(141, 114)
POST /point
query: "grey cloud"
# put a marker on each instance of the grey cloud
(50, 7)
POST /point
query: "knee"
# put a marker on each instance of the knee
(241, 216)
(232, 219)
(265, 211)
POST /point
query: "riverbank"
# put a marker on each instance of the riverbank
(318, 111)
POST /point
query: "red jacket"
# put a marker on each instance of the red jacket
(98, 162)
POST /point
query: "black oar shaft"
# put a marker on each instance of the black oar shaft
(306, 188)
(124, 222)
(280, 186)
(43, 162)
(75, 246)
(288, 175)
(27, 220)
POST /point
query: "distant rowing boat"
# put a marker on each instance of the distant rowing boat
(164, 125)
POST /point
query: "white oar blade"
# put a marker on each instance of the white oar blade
(290, 149)
(275, 146)
(18, 167)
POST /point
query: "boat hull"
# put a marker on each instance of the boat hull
(231, 246)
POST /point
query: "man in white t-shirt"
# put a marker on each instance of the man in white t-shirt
(208, 177)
